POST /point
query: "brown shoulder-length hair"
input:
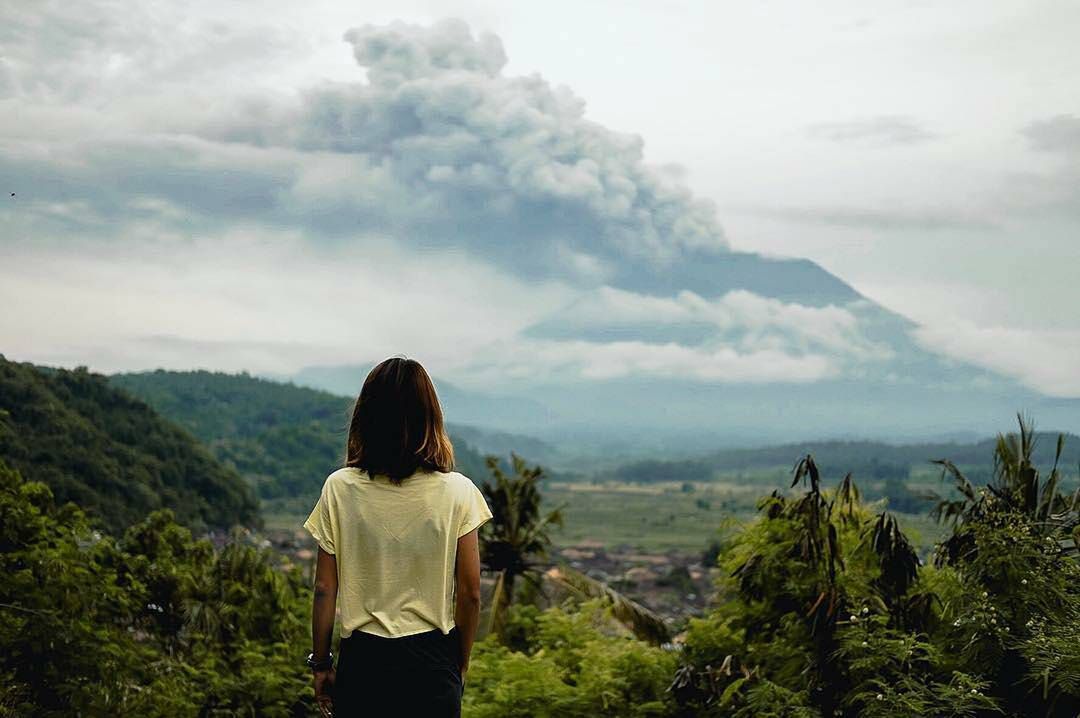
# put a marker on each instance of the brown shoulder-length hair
(397, 423)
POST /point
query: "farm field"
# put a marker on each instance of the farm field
(664, 516)
(679, 516)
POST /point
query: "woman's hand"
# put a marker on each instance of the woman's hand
(324, 691)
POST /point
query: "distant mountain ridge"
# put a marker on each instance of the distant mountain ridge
(648, 418)
(111, 453)
(884, 384)
(710, 274)
(864, 459)
(896, 389)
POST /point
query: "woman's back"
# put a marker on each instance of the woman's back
(395, 545)
(398, 558)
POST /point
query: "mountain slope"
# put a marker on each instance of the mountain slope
(283, 438)
(710, 274)
(723, 350)
(111, 453)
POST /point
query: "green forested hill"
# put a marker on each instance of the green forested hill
(283, 438)
(111, 453)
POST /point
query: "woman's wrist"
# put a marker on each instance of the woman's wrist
(320, 664)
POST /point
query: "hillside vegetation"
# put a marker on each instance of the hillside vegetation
(284, 439)
(825, 606)
(150, 623)
(110, 453)
(827, 610)
(824, 609)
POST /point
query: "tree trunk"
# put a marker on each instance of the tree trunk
(501, 599)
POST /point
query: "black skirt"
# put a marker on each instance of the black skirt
(415, 675)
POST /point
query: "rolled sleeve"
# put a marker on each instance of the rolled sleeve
(320, 525)
(476, 512)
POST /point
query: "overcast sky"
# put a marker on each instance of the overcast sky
(926, 153)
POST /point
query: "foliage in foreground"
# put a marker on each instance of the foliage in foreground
(151, 624)
(825, 609)
(516, 540)
(515, 544)
(571, 663)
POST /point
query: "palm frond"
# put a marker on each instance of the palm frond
(644, 622)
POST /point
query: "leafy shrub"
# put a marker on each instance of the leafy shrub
(568, 663)
(152, 624)
(825, 607)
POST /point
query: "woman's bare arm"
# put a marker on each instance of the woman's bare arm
(324, 604)
(467, 594)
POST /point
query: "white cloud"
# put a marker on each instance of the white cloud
(738, 318)
(254, 300)
(1047, 360)
(884, 130)
(270, 303)
(1060, 133)
(438, 147)
(546, 360)
(108, 52)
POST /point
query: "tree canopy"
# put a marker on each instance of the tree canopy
(153, 623)
(111, 453)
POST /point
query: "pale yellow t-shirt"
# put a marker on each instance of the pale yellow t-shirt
(396, 547)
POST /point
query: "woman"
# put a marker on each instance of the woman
(398, 554)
